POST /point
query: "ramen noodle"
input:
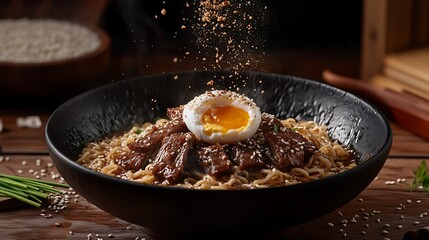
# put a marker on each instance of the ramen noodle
(330, 158)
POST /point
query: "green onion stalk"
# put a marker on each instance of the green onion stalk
(28, 190)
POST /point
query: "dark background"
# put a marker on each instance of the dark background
(301, 38)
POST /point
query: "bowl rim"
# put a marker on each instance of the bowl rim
(384, 149)
(105, 43)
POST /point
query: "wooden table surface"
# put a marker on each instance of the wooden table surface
(381, 211)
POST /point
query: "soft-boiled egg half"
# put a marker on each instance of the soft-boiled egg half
(221, 116)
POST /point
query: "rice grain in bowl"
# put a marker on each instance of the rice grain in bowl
(181, 212)
(49, 58)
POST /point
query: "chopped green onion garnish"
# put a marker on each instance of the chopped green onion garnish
(276, 128)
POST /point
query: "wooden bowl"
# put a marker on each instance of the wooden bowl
(58, 79)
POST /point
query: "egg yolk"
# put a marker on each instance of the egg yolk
(223, 119)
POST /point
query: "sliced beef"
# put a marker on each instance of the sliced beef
(133, 161)
(269, 123)
(175, 113)
(284, 151)
(247, 155)
(151, 142)
(214, 160)
(288, 148)
(304, 144)
(170, 162)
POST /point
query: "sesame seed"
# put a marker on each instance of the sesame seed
(71, 233)
(399, 227)
(363, 233)
(57, 224)
(409, 201)
(330, 224)
(416, 223)
(384, 232)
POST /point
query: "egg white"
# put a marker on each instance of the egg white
(194, 110)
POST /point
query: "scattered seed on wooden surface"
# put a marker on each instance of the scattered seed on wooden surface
(385, 232)
(416, 223)
(399, 227)
(330, 224)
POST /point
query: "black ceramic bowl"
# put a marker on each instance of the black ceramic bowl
(169, 211)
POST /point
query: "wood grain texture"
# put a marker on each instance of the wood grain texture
(81, 219)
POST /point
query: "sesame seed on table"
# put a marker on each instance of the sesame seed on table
(386, 209)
